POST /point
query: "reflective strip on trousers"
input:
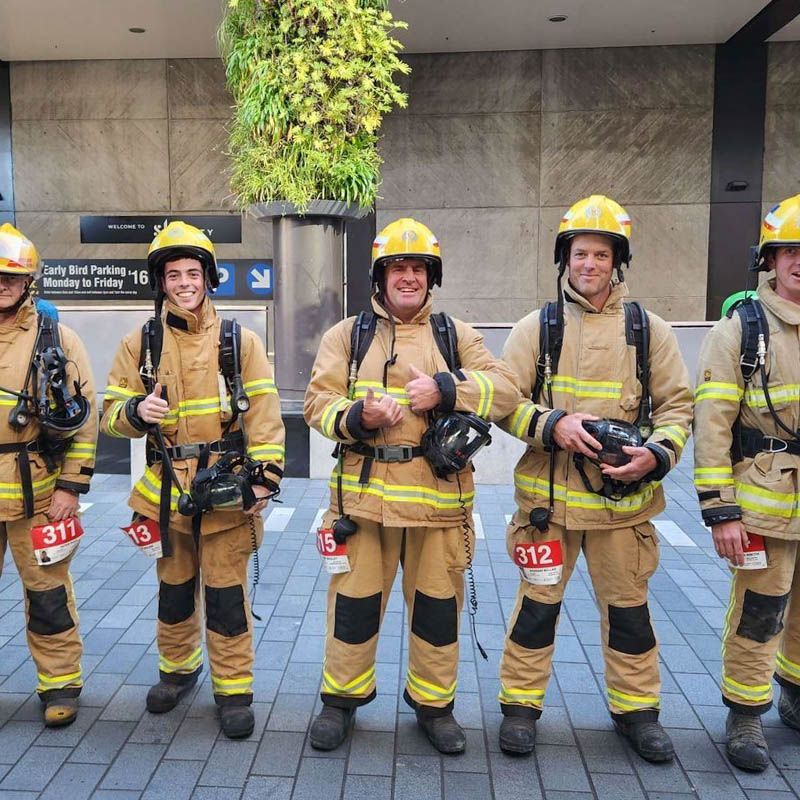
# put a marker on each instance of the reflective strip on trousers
(631, 702)
(395, 493)
(186, 666)
(360, 686)
(231, 686)
(49, 682)
(753, 694)
(787, 666)
(430, 691)
(521, 697)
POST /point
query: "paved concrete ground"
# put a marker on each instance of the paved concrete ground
(117, 751)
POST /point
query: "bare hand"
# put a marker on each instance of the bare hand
(63, 505)
(642, 463)
(570, 435)
(153, 409)
(384, 412)
(423, 391)
(730, 539)
(261, 493)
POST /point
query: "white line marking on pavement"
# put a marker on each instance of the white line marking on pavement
(278, 519)
(508, 518)
(672, 532)
(85, 507)
(479, 534)
(315, 525)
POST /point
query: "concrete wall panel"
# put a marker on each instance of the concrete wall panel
(196, 89)
(199, 168)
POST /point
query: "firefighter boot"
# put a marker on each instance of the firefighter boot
(331, 727)
(746, 746)
(646, 735)
(517, 734)
(236, 721)
(60, 707)
(789, 706)
(164, 695)
(442, 730)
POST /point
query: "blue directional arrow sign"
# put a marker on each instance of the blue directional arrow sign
(227, 279)
(259, 279)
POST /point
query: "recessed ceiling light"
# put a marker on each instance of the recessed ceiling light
(137, 30)
(558, 18)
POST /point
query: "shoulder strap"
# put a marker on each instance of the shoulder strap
(637, 333)
(361, 336)
(152, 341)
(446, 337)
(551, 338)
(754, 326)
(230, 348)
(49, 334)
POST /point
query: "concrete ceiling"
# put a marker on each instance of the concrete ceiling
(98, 29)
(789, 33)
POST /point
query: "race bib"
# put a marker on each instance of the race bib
(56, 541)
(540, 563)
(146, 535)
(755, 554)
(334, 555)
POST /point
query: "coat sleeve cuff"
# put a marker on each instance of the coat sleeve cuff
(713, 516)
(132, 413)
(70, 486)
(353, 422)
(663, 463)
(447, 388)
(547, 431)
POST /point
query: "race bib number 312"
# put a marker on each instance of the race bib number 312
(541, 563)
(56, 541)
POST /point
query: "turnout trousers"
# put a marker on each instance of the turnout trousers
(433, 561)
(218, 564)
(50, 613)
(620, 563)
(761, 635)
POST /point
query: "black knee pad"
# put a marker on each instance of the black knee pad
(435, 621)
(225, 612)
(535, 627)
(48, 613)
(762, 616)
(176, 601)
(357, 619)
(629, 629)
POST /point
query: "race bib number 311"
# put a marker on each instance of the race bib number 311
(146, 535)
(56, 541)
(333, 554)
(541, 563)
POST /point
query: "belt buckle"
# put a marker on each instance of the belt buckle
(768, 440)
(394, 453)
(186, 451)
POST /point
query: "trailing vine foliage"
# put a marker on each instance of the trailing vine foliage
(312, 81)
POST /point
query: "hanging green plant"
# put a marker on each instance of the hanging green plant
(312, 81)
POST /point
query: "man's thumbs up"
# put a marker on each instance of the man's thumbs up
(415, 373)
(370, 398)
(157, 390)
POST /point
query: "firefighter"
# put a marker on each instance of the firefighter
(409, 370)
(747, 455)
(203, 398)
(605, 412)
(48, 435)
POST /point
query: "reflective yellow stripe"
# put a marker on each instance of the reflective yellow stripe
(120, 392)
(329, 415)
(398, 393)
(759, 694)
(360, 686)
(393, 493)
(576, 499)
(259, 387)
(187, 666)
(7, 399)
(430, 691)
(764, 501)
(487, 393)
(524, 697)
(631, 702)
(81, 450)
(113, 417)
(49, 682)
(584, 388)
(780, 393)
(13, 491)
(672, 432)
(789, 667)
(275, 452)
(231, 686)
(521, 419)
(717, 390)
(149, 486)
(713, 476)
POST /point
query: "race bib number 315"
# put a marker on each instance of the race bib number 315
(56, 541)
(541, 563)
(146, 535)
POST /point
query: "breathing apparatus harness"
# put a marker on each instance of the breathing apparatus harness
(551, 340)
(58, 410)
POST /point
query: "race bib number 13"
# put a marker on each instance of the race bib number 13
(333, 554)
(541, 563)
(146, 535)
(56, 541)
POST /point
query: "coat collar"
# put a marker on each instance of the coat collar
(785, 310)
(420, 317)
(191, 322)
(619, 291)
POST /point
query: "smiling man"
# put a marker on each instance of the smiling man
(201, 389)
(747, 458)
(381, 386)
(592, 361)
